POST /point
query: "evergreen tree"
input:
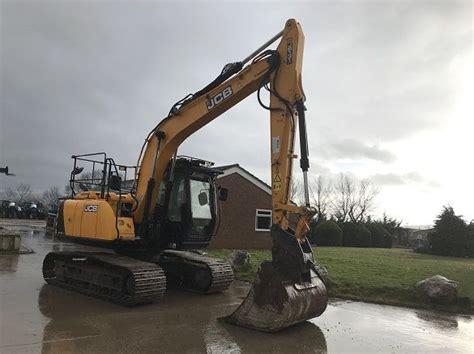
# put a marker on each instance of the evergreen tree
(327, 233)
(450, 236)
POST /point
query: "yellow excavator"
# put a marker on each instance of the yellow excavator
(155, 221)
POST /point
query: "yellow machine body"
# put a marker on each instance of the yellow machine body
(289, 288)
(89, 217)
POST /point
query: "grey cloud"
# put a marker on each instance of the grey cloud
(390, 75)
(352, 149)
(318, 169)
(79, 77)
(387, 179)
(393, 179)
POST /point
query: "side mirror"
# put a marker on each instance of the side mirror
(77, 170)
(223, 193)
(203, 200)
(115, 182)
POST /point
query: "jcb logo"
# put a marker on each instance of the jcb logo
(90, 208)
(221, 96)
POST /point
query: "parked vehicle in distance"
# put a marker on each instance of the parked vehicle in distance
(51, 215)
(29, 210)
(14, 211)
(34, 210)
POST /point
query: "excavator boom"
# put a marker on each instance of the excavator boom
(279, 71)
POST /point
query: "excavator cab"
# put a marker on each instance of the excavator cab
(187, 209)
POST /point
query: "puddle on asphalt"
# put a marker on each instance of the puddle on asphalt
(9, 263)
(40, 318)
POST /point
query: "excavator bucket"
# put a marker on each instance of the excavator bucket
(288, 290)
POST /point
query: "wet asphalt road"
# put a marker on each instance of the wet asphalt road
(36, 317)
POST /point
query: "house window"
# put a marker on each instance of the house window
(263, 220)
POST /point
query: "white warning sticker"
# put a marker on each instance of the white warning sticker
(275, 145)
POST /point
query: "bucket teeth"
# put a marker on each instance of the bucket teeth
(275, 303)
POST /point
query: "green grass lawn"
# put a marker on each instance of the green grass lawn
(381, 275)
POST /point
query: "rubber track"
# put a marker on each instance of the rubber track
(222, 274)
(149, 279)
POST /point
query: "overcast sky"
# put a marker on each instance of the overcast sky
(389, 89)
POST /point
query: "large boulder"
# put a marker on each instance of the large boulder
(239, 259)
(438, 289)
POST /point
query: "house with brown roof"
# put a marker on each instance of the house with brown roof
(246, 215)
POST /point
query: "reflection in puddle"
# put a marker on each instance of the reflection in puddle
(441, 321)
(67, 326)
(49, 234)
(26, 232)
(183, 323)
(305, 337)
(9, 263)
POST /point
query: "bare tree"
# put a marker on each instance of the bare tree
(10, 194)
(295, 191)
(363, 202)
(320, 195)
(50, 197)
(67, 190)
(21, 193)
(344, 198)
(353, 201)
